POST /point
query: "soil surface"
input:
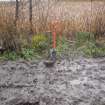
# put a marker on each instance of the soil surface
(70, 82)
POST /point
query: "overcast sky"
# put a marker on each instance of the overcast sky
(7, 0)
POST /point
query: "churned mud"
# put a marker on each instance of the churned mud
(70, 82)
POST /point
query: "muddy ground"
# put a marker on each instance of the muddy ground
(70, 82)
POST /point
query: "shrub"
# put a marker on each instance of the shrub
(63, 46)
(9, 56)
(86, 43)
(91, 50)
(27, 53)
(40, 42)
(10, 37)
(83, 37)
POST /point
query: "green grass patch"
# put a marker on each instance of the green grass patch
(26, 53)
(86, 43)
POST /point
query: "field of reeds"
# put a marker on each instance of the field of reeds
(70, 16)
(75, 15)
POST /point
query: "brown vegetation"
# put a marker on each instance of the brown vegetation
(73, 17)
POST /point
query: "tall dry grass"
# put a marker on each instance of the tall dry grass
(92, 20)
(98, 20)
(9, 35)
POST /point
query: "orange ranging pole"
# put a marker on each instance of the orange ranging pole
(54, 39)
(56, 28)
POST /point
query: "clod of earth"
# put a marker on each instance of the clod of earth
(28, 103)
